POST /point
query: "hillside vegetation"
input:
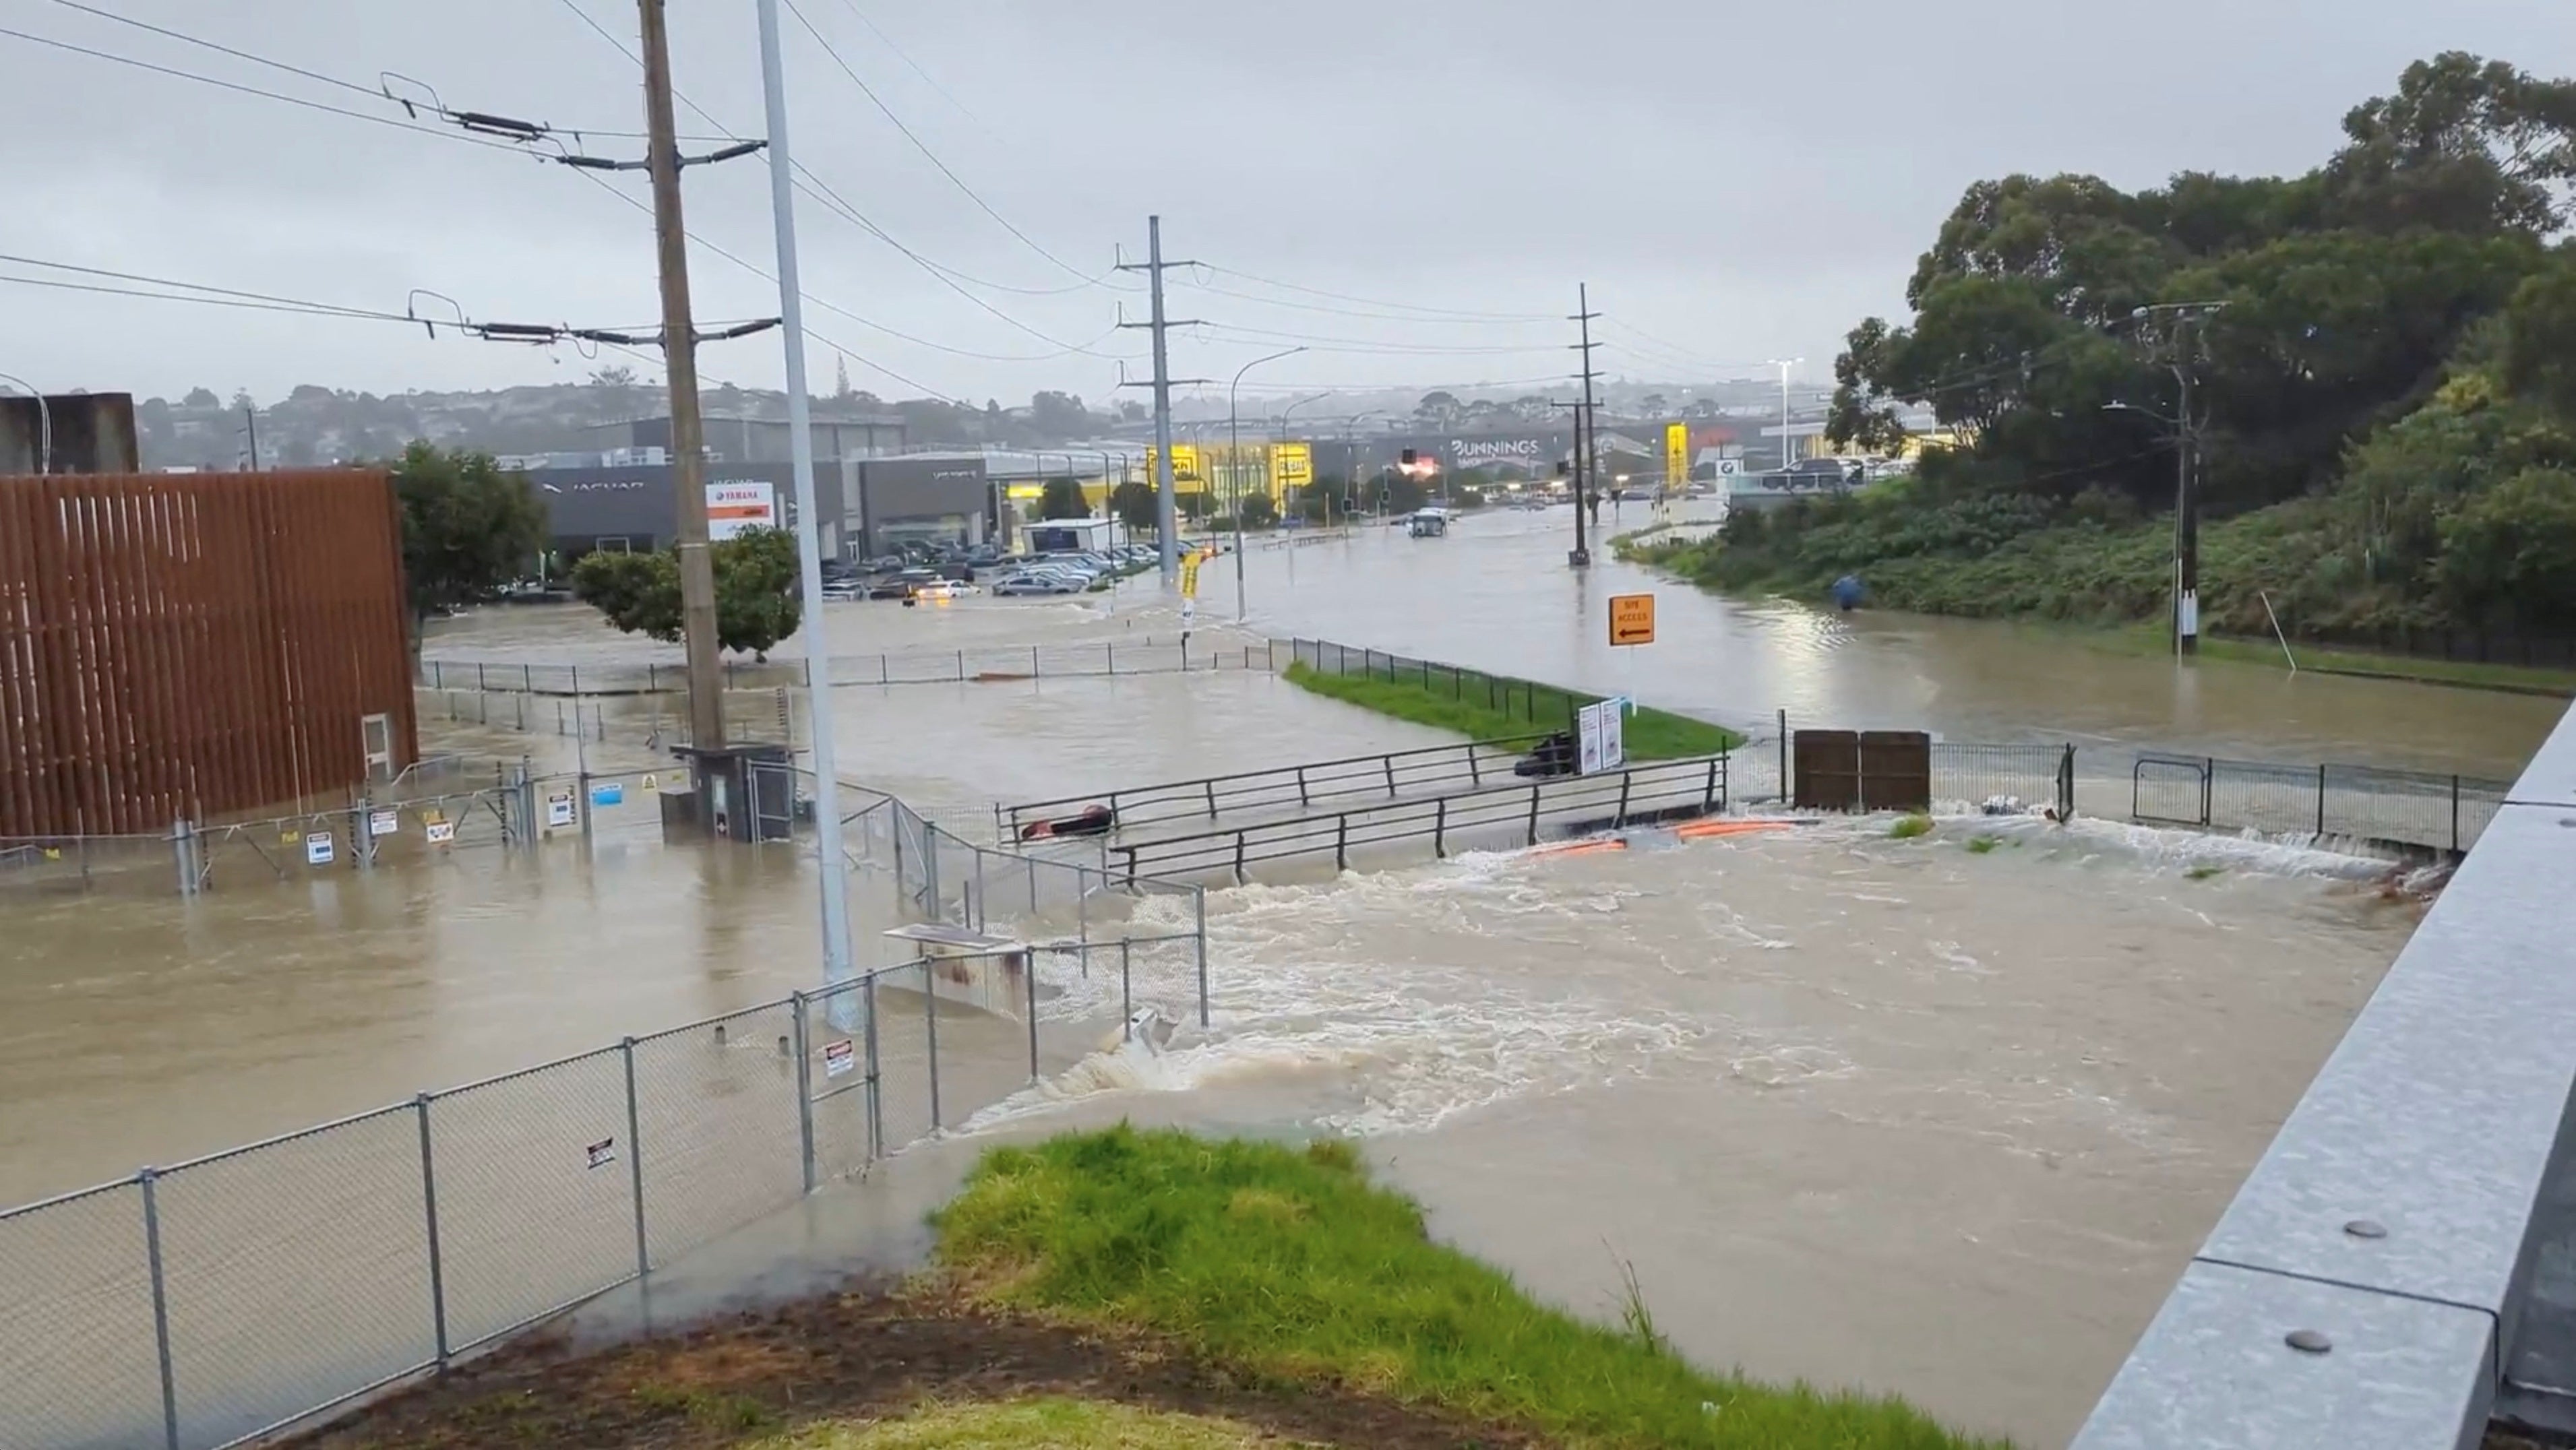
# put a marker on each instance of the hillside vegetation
(2385, 396)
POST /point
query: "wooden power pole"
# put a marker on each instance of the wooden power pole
(680, 354)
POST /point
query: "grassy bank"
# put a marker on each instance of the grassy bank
(1494, 707)
(2109, 577)
(1290, 1265)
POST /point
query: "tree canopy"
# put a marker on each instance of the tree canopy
(2345, 293)
(468, 526)
(1062, 499)
(757, 598)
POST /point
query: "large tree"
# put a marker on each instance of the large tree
(469, 526)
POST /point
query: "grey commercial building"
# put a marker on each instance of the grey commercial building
(748, 438)
(869, 505)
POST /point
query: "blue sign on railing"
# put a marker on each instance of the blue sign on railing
(608, 793)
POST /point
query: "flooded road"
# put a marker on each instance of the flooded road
(1496, 595)
(1935, 1119)
(1932, 1116)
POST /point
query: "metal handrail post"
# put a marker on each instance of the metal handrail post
(930, 1024)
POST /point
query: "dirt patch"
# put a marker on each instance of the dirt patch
(852, 1355)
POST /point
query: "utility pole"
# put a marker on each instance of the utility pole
(250, 425)
(2179, 341)
(1166, 498)
(680, 358)
(1583, 427)
(838, 966)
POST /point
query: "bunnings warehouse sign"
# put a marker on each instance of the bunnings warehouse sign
(739, 504)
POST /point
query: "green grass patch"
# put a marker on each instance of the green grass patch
(1983, 844)
(707, 1409)
(1288, 1264)
(1909, 827)
(2520, 679)
(2204, 873)
(1493, 707)
(1046, 1423)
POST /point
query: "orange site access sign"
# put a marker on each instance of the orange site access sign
(1632, 619)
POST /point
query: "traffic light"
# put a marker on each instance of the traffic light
(1410, 458)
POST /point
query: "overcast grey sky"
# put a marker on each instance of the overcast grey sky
(1735, 182)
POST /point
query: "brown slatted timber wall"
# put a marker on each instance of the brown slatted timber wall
(1864, 770)
(194, 645)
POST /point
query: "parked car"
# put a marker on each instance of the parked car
(1036, 583)
(843, 591)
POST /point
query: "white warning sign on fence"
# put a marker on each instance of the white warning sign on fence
(317, 849)
(442, 833)
(839, 1057)
(601, 1153)
(559, 810)
(383, 823)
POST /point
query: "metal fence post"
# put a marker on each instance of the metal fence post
(1126, 990)
(160, 1308)
(1440, 829)
(1533, 816)
(635, 1160)
(1201, 939)
(1708, 793)
(875, 1093)
(2208, 783)
(2321, 800)
(1029, 974)
(930, 1022)
(1784, 760)
(429, 1211)
(2455, 815)
(1082, 909)
(1342, 842)
(804, 1087)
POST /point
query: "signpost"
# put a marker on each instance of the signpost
(1600, 742)
(1632, 619)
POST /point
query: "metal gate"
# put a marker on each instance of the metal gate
(771, 784)
(2170, 790)
(1862, 770)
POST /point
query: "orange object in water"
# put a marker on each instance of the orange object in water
(1579, 848)
(1701, 830)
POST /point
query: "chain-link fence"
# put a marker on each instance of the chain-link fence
(482, 691)
(210, 1303)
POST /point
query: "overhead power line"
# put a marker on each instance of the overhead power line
(821, 192)
(248, 90)
(1452, 312)
(923, 146)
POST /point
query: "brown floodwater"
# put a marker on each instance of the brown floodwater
(1929, 1118)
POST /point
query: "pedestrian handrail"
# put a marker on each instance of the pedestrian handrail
(1388, 775)
(1515, 814)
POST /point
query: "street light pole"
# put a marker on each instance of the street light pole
(838, 964)
(1234, 467)
(1784, 365)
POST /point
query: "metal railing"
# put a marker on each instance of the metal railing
(1491, 817)
(2400, 1266)
(1389, 775)
(219, 1300)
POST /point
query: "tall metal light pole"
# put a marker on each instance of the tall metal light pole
(1282, 419)
(1234, 466)
(838, 960)
(1784, 364)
